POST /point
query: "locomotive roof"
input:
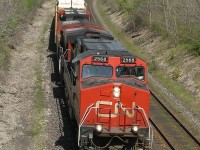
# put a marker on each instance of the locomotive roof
(71, 11)
(78, 33)
(115, 53)
(72, 22)
(102, 44)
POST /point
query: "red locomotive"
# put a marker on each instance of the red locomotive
(106, 88)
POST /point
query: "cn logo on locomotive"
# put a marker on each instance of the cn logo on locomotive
(129, 111)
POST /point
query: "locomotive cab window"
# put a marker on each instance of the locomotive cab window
(130, 72)
(96, 71)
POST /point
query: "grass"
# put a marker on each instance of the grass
(175, 88)
(173, 55)
(197, 79)
(159, 30)
(122, 37)
(38, 127)
(14, 22)
(175, 25)
(39, 104)
(39, 96)
(4, 52)
(10, 25)
(28, 4)
(197, 48)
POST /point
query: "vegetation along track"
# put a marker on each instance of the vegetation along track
(174, 132)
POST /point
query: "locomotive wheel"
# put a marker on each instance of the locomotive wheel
(128, 147)
(142, 147)
(137, 148)
(89, 148)
(61, 70)
(70, 112)
(139, 145)
(57, 51)
(60, 67)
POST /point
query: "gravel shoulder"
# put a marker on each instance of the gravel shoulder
(18, 89)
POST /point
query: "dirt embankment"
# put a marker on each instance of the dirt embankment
(26, 81)
(33, 110)
(14, 15)
(176, 61)
(179, 65)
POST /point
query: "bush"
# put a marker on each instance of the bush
(4, 52)
(197, 48)
(176, 73)
(129, 6)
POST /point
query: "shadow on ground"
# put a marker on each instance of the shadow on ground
(67, 130)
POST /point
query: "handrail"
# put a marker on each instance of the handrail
(64, 54)
(150, 130)
(55, 28)
(109, 116)
(74, 73)
(89, 108)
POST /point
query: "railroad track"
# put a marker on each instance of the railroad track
(162, 135)
(170, 142)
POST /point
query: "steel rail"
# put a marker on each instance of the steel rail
(163, 136)
(91, 12)
(176, 119)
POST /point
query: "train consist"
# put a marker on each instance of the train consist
(105, 85)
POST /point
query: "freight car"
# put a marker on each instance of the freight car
(77, 4)
(66, 13)
(106, 90)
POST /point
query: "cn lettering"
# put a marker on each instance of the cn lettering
(129, 113)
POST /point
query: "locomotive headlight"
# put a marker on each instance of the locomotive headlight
(135, 128)
(141, 77)
(99, 127)
(116, 92)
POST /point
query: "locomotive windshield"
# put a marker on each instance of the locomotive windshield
(96, 71)
(130, 72)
